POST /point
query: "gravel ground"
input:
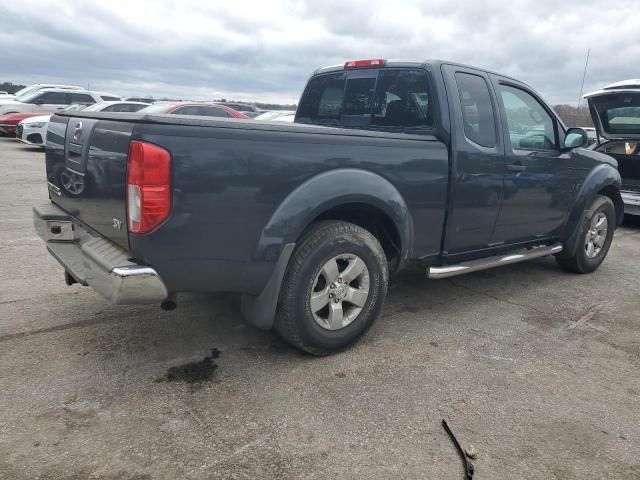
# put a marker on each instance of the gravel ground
(536, 368)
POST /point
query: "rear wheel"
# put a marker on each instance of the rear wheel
(333, 289)
(594, 238)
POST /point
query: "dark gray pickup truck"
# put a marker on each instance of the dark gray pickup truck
(451, 167)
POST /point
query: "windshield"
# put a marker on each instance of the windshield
(74, 108)
(28, 97)
(96, 107)
(24, 91)
(273, 115)
(157, 108)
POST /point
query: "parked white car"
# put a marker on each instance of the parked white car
(33, 130)
(289, 117)
(51, 100)
(272, 115)
(34, 88)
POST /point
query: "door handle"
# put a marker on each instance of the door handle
(516, 167)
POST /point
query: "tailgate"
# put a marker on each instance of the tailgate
(86, 170)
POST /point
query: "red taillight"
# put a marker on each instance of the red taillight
(375, 62)
(148, 186)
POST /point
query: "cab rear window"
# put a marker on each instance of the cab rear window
(322, 99)
(391, 99)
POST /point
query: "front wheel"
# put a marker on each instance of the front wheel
(333, 289)
(594, 238)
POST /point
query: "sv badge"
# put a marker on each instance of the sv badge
(117, 224)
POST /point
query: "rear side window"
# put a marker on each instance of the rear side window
(81, 98)
(241, 108)
(402, 99)
(322, 99)
(189, 110)
(213, 112)
(112, 108)
(53, 98)
(477, 110)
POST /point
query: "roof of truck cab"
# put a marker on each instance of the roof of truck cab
(407, 63)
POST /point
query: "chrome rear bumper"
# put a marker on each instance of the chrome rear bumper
(95, 261)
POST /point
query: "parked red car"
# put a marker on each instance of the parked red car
(194, 108)
(9, 122)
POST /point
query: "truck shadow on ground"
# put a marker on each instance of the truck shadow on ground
(182, 345)
(632, 222)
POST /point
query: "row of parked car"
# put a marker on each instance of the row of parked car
(26, 113)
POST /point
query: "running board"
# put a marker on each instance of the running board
(491, 262)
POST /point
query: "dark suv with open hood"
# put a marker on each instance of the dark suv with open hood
(616, 115)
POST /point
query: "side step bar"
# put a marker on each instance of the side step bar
(491, 262)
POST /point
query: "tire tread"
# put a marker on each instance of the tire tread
(320, 232)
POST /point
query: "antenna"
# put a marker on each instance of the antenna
(584, 74)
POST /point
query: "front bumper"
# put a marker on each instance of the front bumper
(631, 202)
(95, 261)
(30, 136)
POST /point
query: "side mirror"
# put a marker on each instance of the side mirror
(39, 101)
(576, 137)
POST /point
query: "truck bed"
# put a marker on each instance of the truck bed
(229, 179)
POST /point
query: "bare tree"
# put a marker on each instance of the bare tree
(574, 116)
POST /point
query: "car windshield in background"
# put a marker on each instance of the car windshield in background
(273, 114)
(23, 91)
(157, 108)
(396, 99)
(28, 97)
(76, 107)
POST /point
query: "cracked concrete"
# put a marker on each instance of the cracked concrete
(509, 356)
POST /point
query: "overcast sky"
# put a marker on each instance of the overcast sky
(265, 50)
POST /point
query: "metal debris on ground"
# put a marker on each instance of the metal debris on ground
(468, 466)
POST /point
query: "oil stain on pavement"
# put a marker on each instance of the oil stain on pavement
(193, 372)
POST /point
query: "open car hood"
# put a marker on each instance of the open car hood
(616, 110)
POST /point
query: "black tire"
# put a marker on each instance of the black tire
(325, 240)
(580, 262)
